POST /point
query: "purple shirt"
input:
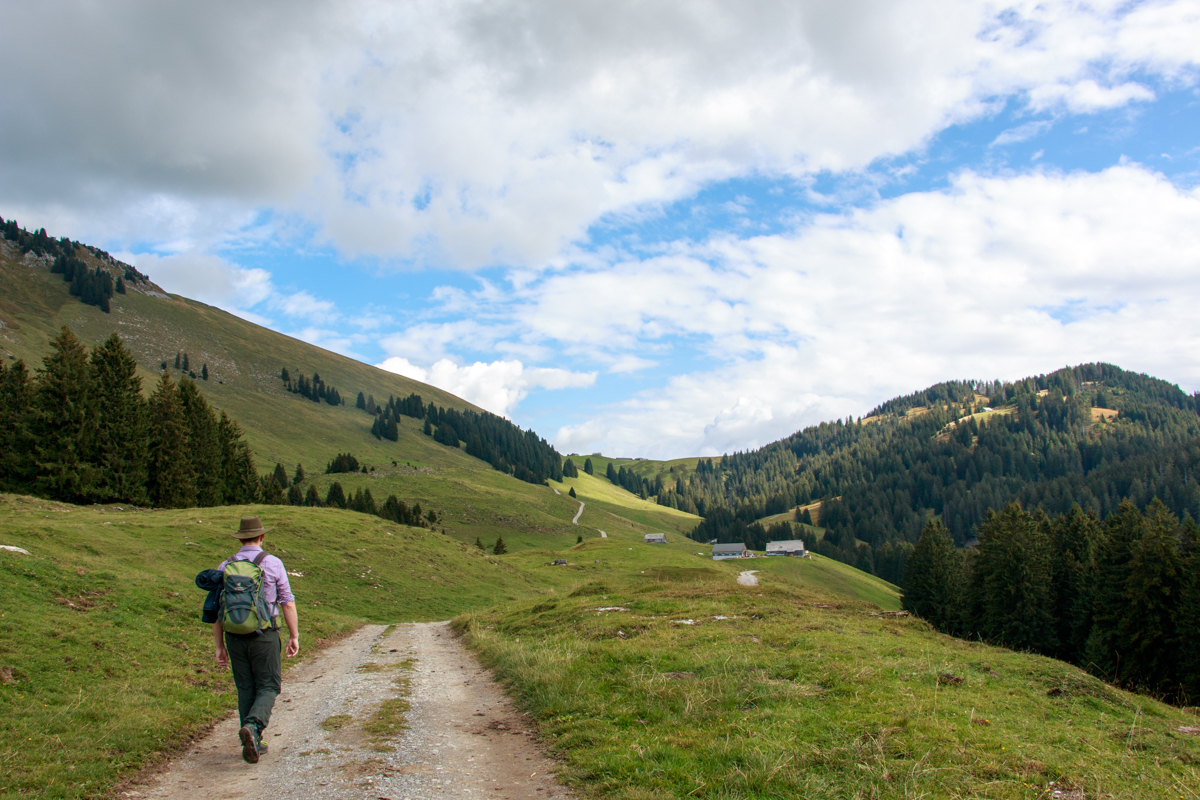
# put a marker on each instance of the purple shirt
(276, 589)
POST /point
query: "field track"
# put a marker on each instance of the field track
(463, 738)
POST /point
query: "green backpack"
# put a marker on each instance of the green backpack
(243, 608)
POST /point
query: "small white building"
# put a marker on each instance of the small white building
(656, 538)
(789, 547)
(723, 551)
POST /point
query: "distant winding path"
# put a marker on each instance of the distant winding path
(747, 578)
(578, 513)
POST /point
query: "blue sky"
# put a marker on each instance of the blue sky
(642, 228)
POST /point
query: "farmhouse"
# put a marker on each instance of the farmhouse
(723, 551)
(790, 547)
(656, 538)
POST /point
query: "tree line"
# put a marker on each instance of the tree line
(312, 388)
(94, 286)
(1118, 597)
(81, 431)
(633, 483)
(393, 509)
(508, 448)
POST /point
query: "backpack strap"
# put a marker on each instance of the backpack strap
(258, 559)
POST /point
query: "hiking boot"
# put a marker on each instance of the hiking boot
(250, 744)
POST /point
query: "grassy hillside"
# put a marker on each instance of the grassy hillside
(697, 687)
(244, 362)
(104, 663)
(105, 667)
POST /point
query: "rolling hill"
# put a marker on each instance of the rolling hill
(811, 684)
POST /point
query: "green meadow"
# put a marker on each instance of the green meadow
(105, 667)
(683, 684)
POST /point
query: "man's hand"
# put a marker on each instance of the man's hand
(221, 656)
(293, 625)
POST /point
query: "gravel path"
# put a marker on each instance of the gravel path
(747, 578)
(464, 739)
(578, 514)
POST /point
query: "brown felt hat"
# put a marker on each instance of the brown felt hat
(251, 528)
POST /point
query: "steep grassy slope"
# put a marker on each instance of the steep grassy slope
(244, 362)
(700, 688)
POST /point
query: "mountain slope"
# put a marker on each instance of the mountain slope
(244, 363)
(1092, 435)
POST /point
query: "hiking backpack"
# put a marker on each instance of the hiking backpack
(243, 608)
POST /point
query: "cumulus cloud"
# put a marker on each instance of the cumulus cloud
(991, 278)
(209, 279)
(497, 386)
(471, 133)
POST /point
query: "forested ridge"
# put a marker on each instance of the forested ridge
(520, 453)
(955, 451)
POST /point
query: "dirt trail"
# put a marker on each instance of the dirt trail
(464, 740)
(747, 578)
(578, 513)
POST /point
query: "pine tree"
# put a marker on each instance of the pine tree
(335, 497)
(499, 548)
(361, 402)
(239, 475)
(428, 429)
(171, 483)
(120, 285)
(391, 431)
(280, 476)
(1147, 633)
(178, 359)
(204, 372)
(120, 448)
(1188, 613)
(934, 578)
(611, 474)
(204, 445)
(579, 539)
(569, 470)
(16, 440)
(64, 422)
(1010, 582)
(1110, 577)
(479, 544)
(299, 476)
(572, 492)
(588, 468)
(311, 498)
(185, 362)
(1072, 536)
(295, 497)
(269, 492)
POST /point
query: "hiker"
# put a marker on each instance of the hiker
(246, 633)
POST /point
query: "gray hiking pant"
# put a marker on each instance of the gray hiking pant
(257, 663)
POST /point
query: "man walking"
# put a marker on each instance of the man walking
(255, 655)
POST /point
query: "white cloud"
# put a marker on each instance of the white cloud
(209, 279)
(497, 386)
(1021, 133)
(498, 132)
(994, 277)
(303, 304)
